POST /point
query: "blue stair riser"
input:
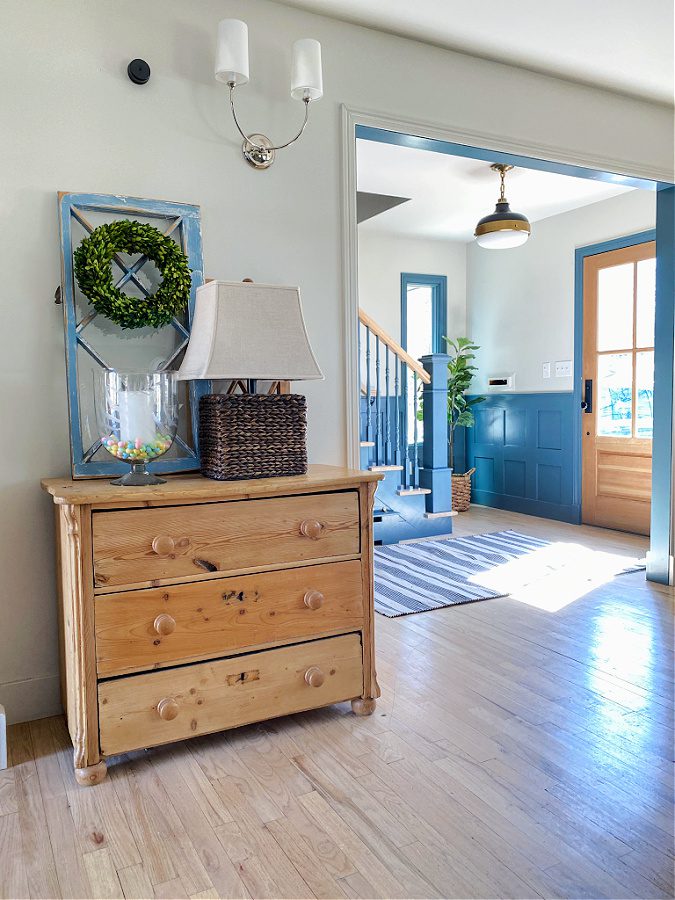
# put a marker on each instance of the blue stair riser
(401, 518)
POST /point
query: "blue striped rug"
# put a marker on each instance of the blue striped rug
(426, 575)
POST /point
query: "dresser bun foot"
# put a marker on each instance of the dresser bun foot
(89, 775)
(363, 707)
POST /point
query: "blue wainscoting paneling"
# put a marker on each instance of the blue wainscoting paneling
(522, 447)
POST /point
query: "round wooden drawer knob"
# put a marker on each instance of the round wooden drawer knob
(311, 528)
(163, 545)
(167, 709)
(314, 676)
(314, 599)
(164, 624)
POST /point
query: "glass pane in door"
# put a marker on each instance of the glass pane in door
(615, 395)
(419, 320)
(645, 303)
(644, 390)
(615, 307)
(419, 342)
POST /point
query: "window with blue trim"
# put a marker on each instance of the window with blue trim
(423, 313)
(423, 324)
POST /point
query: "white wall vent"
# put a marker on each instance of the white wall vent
(501, 382)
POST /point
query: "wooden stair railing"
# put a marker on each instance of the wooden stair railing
(387, 425)
(396, 348)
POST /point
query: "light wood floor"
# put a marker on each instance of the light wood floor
(516, 752)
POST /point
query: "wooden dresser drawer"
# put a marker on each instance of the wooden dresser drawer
(159, 707)
(140, 546)
(143, 629)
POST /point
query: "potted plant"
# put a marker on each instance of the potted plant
(461, 371)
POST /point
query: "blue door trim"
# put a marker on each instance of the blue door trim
(580, 254)
(659, 558)
(662, 461)
(439, 326)
(382, 136)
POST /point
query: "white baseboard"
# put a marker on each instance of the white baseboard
(32, 698)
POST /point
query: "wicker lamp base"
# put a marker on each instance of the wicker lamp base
(252, 435)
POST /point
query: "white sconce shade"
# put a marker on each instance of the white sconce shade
(246, 330)
(306, 75)
(232, 52)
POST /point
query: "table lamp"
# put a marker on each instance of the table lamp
(246, 333)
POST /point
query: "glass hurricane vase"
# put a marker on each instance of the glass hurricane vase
(137, 416)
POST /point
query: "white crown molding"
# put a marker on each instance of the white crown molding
(491, 141)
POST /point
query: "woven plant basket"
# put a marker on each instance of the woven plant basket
(252, 435)
(461, 491)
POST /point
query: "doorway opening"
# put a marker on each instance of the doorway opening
(557, 429)
(619, 293)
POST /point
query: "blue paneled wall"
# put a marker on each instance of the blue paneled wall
(522, 449)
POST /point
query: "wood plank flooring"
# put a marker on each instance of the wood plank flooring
(520, 749)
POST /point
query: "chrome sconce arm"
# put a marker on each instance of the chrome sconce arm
(258, 150)
(232, 69)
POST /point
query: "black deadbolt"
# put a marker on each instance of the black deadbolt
(138, 71)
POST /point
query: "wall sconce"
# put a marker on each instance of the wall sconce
(232, 68)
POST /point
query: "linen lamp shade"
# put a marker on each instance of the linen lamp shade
(246, 330)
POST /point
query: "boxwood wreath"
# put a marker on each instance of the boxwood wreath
(93, 271)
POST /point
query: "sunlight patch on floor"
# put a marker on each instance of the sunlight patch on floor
(552, 577)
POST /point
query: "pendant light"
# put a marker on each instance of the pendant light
(502, 228)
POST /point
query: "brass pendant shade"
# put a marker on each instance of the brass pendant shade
(503, 228)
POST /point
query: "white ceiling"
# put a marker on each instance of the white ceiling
(623, 45)
(449, 194)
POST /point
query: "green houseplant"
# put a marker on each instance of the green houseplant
(461, 371)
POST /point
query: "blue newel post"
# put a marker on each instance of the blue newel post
(435, 473)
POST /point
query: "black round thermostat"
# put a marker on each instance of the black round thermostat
(138, 71)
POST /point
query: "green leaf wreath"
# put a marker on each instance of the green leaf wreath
(93, 270)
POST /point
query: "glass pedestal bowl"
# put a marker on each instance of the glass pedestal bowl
(137, 416)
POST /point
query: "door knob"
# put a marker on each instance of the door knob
(164, 624)
(314, 676)
(167, 709)
(587, 402)
(314, 599)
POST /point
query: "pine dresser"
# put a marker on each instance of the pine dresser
(197, 605)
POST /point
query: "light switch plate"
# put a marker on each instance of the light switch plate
(563, 368)
(546, 370)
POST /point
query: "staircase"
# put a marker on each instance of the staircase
(403, 431)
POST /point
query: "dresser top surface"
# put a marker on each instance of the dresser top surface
(196, 487)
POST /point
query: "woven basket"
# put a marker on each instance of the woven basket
(252, 435)
(461, 491)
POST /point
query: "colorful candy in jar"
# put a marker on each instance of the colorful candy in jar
(136, 450)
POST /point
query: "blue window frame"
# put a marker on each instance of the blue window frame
(439, 306)
(439, 291)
